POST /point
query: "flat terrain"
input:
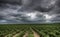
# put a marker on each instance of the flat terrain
(30, 30)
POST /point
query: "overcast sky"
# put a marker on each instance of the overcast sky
(45, 11)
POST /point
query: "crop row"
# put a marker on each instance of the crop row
(47, 31)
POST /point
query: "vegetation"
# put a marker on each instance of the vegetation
(43, 30)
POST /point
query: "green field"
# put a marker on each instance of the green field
(30, 30)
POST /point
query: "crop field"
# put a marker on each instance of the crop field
(30, 30)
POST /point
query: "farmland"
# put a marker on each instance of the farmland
(30, 30)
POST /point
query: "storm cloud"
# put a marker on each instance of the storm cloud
(29, 11)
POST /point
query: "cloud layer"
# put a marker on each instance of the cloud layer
(13, 14)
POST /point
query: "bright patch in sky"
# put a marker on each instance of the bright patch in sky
(31, 15)
(47, 16)
(3, 21)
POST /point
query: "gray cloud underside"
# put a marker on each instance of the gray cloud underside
(13, 14)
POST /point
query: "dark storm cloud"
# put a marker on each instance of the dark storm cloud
(31, 11)
(11, 1)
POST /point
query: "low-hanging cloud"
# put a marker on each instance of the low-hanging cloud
(10, 13)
